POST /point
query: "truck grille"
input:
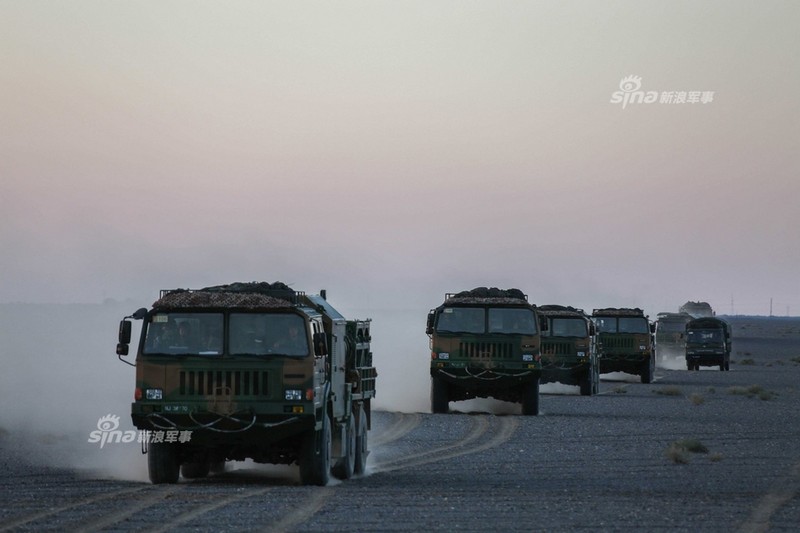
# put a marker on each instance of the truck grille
(557, 348)
(486, 350)
(224, 383)
(612, 343)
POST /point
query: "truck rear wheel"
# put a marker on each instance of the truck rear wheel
(315, 460)
(361, 443)
(345, 466)
(530, 399)
(162, 463)
(439, 400)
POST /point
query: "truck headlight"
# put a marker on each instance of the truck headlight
(527, 357)
(153, 394)
(293, 395)
(444, 355)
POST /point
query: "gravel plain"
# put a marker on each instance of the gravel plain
(612, 462)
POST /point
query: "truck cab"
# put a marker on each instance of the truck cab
(485, 343)
(568, 349)
(708, 343)
(625, 342)
(250, 370)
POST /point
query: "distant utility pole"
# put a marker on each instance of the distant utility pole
(732, 312)
(770, 307)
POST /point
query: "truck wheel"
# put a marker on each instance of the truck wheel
(586, 384)
(361, 443)
(727, 366)
(648, 370)
(315, 460)
(439, 400)
(530, 399)
(689, 366)
(162, 463)
(345, 466)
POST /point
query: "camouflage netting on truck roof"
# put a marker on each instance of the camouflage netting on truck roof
(484, 295)
(621, 311)
(255, 295)
(561, 310)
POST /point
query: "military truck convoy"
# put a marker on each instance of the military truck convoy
(625, 342)
(264, 372)
(708, 343)
(568, 353)
(485, 343)
(251, 370)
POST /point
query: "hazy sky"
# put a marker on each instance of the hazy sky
(394, 151)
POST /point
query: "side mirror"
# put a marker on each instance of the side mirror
(543, 324)
(122, 349)
(125, 332)
(652, 328)
(592, 329)
(320, 344)
(429, 326)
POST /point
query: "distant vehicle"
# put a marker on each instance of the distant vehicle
(485, 343)
(568, 352)
(624, 342)
(251, 370)
(671, 334)
(697, 309)
(708, 343)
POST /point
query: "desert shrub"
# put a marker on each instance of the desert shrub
(679, 450)
(669, 391)
(696, 398)
(747, 362)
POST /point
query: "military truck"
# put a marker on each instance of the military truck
(251, 370)
(625, 342)
(697, 309)
(568, 352)
(485, 343)
(671, 335)
(708, 343)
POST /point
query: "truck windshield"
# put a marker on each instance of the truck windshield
(268, 334)
(633, 325)
(622, 324)
(461, 320)
(512, 321)
(474, 320)
(568, 327)
(184, 334)
(703, 335)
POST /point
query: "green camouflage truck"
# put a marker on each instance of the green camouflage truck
(485, 343)
(625, 342)
(708, 343)
(568, 352)
(251, 370)
(671, 335)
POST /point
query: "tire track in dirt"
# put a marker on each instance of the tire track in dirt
(22, 520)
(505, 428)
(759, 519)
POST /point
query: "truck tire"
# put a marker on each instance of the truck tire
(346, 465)
(195, 470)
(315, 460)
(162, 463)
(727, 366)
(439, 400)
(648, 370)
(586, 384)
(689, 366)
(530, 399)
(362, 449)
